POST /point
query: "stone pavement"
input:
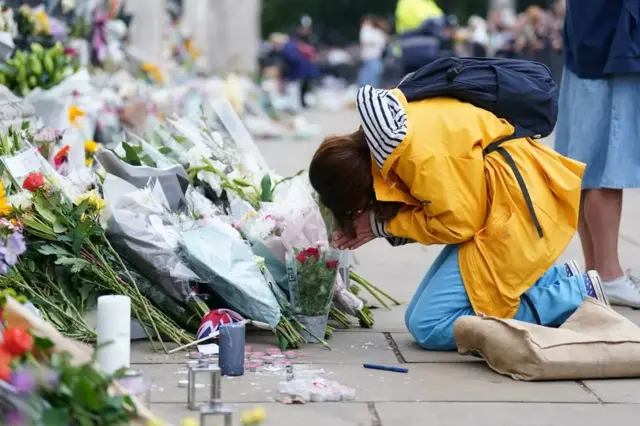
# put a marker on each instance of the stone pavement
(440, 388)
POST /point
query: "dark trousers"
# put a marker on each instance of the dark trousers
(304, 89)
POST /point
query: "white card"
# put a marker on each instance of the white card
(210, 349)
(24, 163)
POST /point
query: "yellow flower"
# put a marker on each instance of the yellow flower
(153, 71)
(90, 146)
(42, 23)
(5, 207)
(94, 199)
(189, 421)
(75, 113)
(155, 422)
(253, 417)
(88, 162)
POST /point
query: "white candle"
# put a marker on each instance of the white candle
(114, 332)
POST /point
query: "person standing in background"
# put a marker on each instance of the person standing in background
(599, 124)
(297, 68)
(373, 41)
(411, 14)
(306, 43)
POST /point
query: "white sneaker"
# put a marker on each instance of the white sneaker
(572, 268)
(623, 291)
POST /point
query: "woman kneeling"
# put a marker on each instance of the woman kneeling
(421, 172)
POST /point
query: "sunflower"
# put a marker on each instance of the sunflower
(5, 207)
(75, 114)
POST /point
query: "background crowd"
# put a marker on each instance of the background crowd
(419, 32)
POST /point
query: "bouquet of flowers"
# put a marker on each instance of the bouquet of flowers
(46, 379)
(311, 273)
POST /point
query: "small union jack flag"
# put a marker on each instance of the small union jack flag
(210, 324)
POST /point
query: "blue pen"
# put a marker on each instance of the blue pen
(386, 368)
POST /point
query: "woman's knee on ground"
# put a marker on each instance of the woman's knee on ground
(432, 334)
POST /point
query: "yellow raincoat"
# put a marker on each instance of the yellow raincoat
(452, 194)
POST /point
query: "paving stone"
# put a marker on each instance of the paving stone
(142, 353)
(277, 414)
(509, 414)
(412, 353)
(632, 315)
(616, 391)
(352, 347)
(424, 382)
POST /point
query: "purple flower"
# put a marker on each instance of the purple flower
(24, 381)
(14, 418)
(59, 133)
(14, 247)
(4, 268)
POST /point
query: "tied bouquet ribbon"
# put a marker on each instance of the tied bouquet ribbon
(98, 36)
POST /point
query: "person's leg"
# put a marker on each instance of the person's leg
(555, 296)
(435, 266)
(304, 89)
(602, 213)
(442, 300)
(586, 240)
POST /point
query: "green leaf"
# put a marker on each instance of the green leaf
(266, 190)
(148, 161)
(75, 263)
(59, 228)
(25, 125)
(52, 250)
(80, 209)
(56, 417)
(179, 139)
(131, 156)
(43, 343)
(165, 150)
(85, 393)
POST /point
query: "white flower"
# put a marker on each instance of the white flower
(68, 5)
(21, 200)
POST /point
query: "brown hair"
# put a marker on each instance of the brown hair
(340, 172)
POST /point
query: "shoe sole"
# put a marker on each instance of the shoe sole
(597, 287)
(574, 268)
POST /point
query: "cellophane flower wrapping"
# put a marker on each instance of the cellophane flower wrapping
(300, 223)
(144, 230)
(312, 272)
(219, 255)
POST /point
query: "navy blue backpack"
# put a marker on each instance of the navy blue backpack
(521, 92)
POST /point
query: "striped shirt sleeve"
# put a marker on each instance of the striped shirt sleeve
(383, 120)
(380, 231)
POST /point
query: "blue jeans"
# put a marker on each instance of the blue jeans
(371, 73)
(441, 299)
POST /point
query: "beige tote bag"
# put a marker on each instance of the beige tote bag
(596, 342)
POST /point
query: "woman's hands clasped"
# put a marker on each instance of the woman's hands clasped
(364, 234)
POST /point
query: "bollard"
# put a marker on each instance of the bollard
(216, 409)
(196, 369)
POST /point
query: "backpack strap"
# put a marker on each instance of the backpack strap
(496, 147)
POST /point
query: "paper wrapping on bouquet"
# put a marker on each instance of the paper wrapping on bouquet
(225, 261)
(143, 229)
(28, 161)
(174, 180)
(52, 105)
(239, 133)
(17, 315)
(7, 46)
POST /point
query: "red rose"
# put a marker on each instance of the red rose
(302, 256)
(62, 155)
(33, 182)
(312, 251)
(17, 341)
(332, 264)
